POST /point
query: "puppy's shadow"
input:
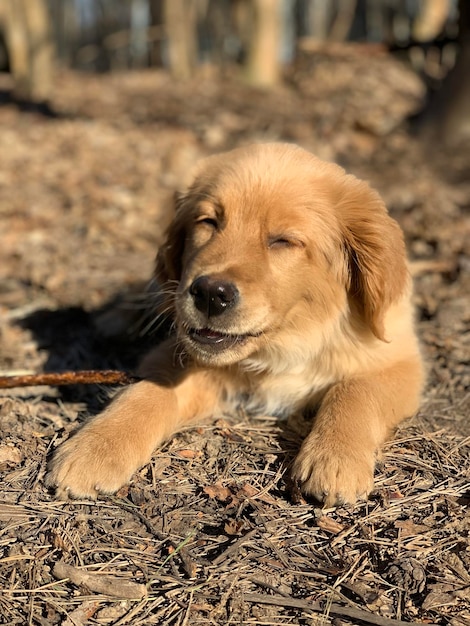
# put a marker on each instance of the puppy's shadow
(73, 339)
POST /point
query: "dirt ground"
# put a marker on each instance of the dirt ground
(208, 533)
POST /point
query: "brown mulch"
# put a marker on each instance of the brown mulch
(210, 532)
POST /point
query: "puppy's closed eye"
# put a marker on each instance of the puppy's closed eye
(207, 221)
(285, 241)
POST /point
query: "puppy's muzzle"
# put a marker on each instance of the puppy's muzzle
(213, 296)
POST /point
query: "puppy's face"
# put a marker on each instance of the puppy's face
(261, 246)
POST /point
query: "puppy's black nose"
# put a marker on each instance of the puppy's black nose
(213, 296)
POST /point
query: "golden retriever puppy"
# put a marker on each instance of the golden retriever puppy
(289, 289)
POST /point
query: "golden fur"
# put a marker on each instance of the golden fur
(289, 289)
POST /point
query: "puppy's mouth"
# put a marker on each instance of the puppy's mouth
(216, 340)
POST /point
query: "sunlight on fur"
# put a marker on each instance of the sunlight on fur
(287, 284)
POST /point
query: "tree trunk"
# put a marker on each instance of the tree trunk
(180, 23)
(30, 48)
(456, 119)
(40, 47)
(156, 21)
(431, 19)
(343, 21)
(451, 109)
(263, 66)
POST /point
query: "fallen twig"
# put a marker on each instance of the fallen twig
(98, 583)
(56, 379)
(369, 618)
(189, 565)
(333, 609)
(234, 547)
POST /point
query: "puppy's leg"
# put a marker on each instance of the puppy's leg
(104, 454)
(336, 461)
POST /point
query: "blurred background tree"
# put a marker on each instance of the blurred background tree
(179, 17)
(260, 37)
(263, 54)
(449, 114)
(27, 46)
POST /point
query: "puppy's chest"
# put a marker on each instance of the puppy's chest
(280, 395)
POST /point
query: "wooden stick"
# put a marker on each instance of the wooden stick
(81, 377)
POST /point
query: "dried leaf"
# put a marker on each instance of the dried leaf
(81, 614)
(188, 454)
(436, 599)
(9, 455)
(408, 528)
(325, 522)
(234, 527)
(218, 491)
(248, 491)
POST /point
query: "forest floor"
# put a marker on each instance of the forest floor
(207, 532)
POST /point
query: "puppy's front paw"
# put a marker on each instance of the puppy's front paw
(89, 463)
(332, 473)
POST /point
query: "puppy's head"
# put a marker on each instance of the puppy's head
(270, 240)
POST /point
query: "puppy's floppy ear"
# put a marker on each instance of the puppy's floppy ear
(169, 258)
(378, 274)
